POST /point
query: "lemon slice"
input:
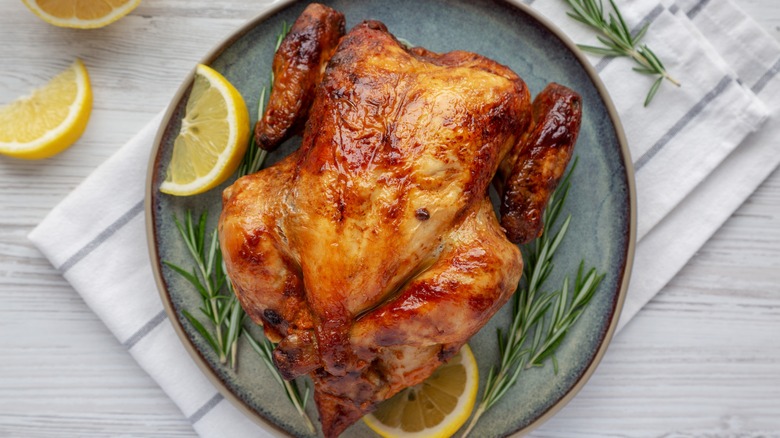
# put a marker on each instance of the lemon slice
(50, 119)
(82, 14)
(437, 407)
(213, 137)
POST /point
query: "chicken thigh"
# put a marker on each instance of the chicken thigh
(373, 253)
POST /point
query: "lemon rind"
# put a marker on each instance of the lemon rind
(453, 421)
(77, 23)
(68, 131)
(230, 94)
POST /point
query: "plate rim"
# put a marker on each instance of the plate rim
(213, 376)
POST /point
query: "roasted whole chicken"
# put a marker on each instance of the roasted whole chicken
(373, 253)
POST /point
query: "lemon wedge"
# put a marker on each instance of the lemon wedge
(50, 119)
(212, 139)
(437, 407)
(81, 14)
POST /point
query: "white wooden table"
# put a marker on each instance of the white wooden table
(703, 358)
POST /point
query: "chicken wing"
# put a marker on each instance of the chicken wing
(298, 67)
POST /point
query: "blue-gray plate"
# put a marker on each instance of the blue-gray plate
(601, 201)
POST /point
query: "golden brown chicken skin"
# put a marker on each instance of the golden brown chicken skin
(529, 174)
(373, 253)
(298, 67)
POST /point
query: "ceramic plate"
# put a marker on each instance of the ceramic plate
(601, 199)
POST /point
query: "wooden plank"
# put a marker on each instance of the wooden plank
(702, 358)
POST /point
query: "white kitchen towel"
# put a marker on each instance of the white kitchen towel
(686, 132)
(727, 66)
(755, 57)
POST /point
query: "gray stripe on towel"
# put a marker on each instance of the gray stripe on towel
(103, 236)
(690, 115)
(763, 80)
(697, 8)
(145, 329)
(206, 408)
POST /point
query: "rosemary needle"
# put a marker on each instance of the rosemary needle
(618, 40)
(540, 320)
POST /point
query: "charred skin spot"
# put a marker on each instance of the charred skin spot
(296, 354)
(422, 214)
(273, 317)
(446, 353)
(283, 360)
(274, 324)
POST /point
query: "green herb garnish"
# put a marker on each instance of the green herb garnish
(617, 40)
(540, 320)
(208, 277)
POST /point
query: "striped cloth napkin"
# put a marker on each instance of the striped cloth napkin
(703, 153)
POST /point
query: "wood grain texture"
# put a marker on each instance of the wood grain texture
(701, 359)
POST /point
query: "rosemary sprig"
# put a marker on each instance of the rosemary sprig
(617, 40)
(220, 305)
(540, 320)
(208, 277)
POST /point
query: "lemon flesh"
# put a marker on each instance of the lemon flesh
(437, 407)
(81, 14)
(212, 139)
(50, 119)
